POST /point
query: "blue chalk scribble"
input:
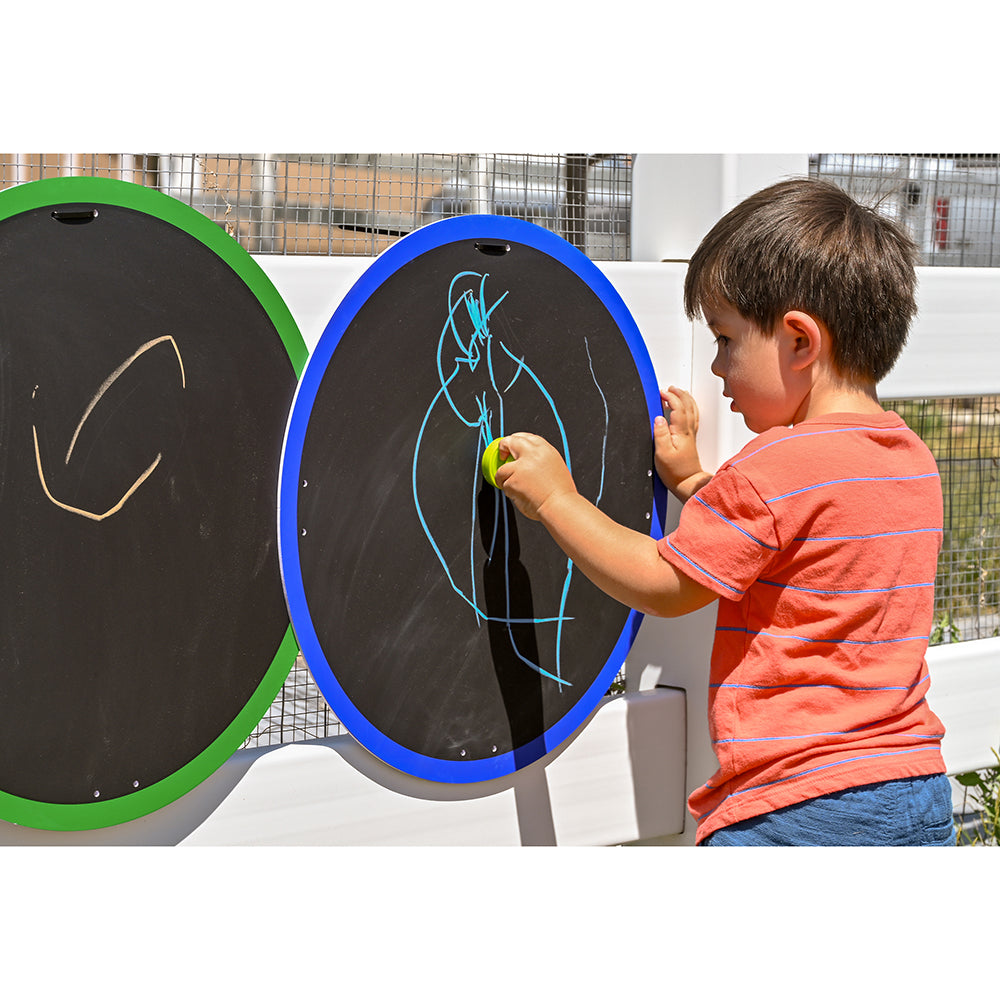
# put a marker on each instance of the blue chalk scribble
(470, 386)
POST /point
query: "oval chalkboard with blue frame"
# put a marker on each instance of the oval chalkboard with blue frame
(147, 366)
(449, 634)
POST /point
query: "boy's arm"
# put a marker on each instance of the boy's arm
(676, 451)
(624, 563)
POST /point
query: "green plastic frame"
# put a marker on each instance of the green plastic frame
(55, 191)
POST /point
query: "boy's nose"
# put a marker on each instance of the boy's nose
(717, 367)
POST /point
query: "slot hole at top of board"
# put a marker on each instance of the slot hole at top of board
(74, 216)
(492, 249)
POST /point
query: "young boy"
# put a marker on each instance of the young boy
(819, 539)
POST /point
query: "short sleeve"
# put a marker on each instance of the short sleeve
(726, 536)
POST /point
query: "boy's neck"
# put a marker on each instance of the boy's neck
(838, 396)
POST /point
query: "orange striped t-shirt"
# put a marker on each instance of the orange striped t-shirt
(822, 541)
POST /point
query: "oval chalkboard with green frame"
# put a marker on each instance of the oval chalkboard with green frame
(147, 365)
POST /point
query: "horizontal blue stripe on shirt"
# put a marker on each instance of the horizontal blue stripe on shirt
(805, 434)
(854, 479)
(833, 642)
(916, 704)
(809, 736)
(733, 524)
(832, 593)
(863, 538)
(691, 562)
(802, 774)
(841, 687)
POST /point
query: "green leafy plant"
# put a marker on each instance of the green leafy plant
(944, 630)
(617, 685)
(983, 788)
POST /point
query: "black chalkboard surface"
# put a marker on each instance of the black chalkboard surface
(449, 634)
(146, 371)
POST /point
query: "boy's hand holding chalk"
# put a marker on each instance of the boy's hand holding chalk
(530, 471)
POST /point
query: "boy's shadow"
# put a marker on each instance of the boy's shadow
(512, 627)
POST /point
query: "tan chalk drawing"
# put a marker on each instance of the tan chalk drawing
(105, 385)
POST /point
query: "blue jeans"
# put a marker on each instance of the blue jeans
(906, 812)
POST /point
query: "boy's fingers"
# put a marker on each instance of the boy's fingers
(677, 400)
(503, 473)
(516, 443)
(661, 432)
(680, 420)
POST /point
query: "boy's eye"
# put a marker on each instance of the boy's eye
(721, 341)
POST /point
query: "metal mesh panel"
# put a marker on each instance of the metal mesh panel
(298, 713)
(964, 436)
(356, 204)
(947, 201)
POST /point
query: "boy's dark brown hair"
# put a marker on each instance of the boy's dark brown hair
(807, 245)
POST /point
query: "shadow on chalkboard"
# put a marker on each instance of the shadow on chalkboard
(511, 622)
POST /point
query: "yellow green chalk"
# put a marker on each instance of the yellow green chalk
(491, 461)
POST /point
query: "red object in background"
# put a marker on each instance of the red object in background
(941, 206)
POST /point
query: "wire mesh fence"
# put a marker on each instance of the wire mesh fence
(356, 204)
(950, 202)
(299, 712)
(964, 435)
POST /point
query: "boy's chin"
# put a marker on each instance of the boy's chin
(759, 426)
(756, 426)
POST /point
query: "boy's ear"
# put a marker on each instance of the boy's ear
(804, 337)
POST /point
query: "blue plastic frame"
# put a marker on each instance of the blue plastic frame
(398, 255)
